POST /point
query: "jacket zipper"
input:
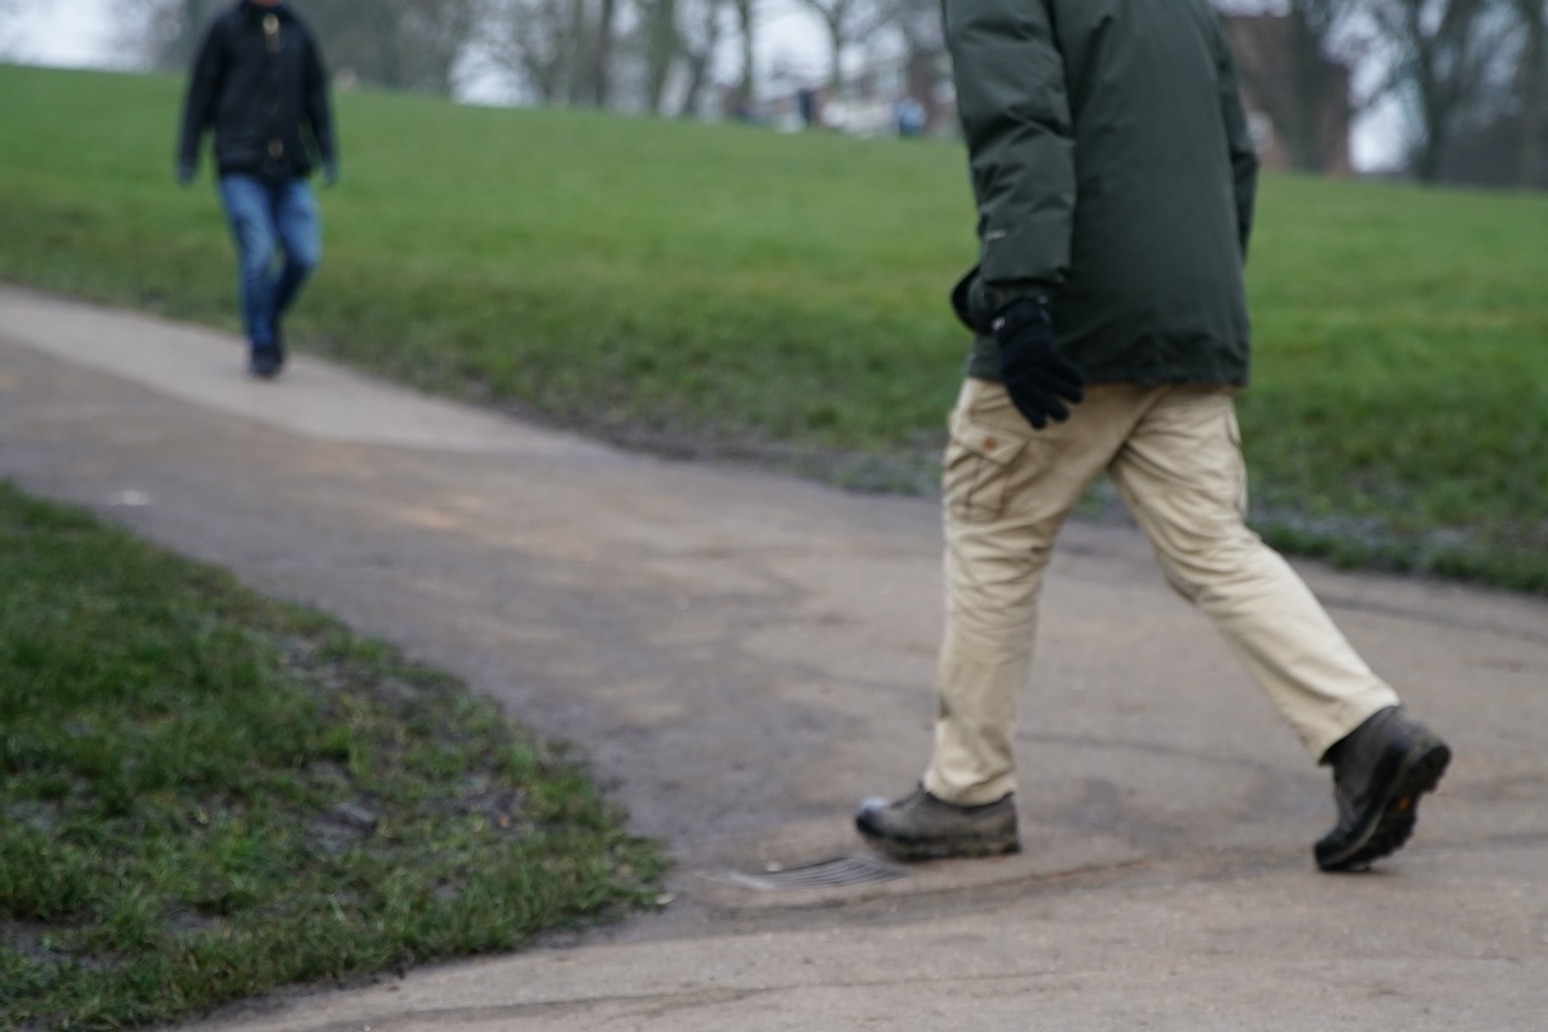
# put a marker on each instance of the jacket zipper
(271, 39)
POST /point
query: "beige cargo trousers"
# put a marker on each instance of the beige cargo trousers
(1175, 454)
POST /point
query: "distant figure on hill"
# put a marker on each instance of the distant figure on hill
(258, 81)
(1115, 179)
(909, 115)
(806, 106)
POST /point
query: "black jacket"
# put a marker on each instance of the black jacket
(259, 82)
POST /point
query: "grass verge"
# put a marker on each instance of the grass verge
(727, 291)
(205, 794)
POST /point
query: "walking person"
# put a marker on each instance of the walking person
(258, 81)
(1114, 177)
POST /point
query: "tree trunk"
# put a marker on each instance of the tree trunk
(1436, 110)
(836, 41)
(1534, 84)
(698, 66)
(1305, 133)
(747, 88)
(390, 67)
(1443, 61)
(580, 66)
(699, 60)
(660, 51)
(603, 53)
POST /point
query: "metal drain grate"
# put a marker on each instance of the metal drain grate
(834, 873)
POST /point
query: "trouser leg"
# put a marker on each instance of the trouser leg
(253, 232)
(1182, 473)
(299, 225)
(1007, 491)
(994, 581)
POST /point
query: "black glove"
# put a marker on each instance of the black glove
(1036, 374)
(184, 173)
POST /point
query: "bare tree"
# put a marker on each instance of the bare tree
(602, 52)
(1496, 139)
(698, 39)
(747, 24)
(164, 32)
(922, 32)
(1442, 53)
(919, 25)
(579, 85)
(1532, 79)
(592, 30)
(533, 40)
(848, 22)
(399, 44)
(659, 19)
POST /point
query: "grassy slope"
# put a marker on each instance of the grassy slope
(205, 795)
(724, 290)
(1400, 407)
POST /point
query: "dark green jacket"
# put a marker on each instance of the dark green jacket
(1114, 173)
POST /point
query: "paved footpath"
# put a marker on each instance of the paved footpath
(743, 656)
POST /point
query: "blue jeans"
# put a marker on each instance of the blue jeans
(269, 216)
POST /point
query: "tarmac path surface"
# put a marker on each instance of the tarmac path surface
(741, 657)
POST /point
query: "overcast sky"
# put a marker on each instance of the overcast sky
(80, 34)
(67, 33)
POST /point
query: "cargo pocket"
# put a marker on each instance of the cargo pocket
(976, 470)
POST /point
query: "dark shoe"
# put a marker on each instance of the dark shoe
(922, 827)
(1380, 769)
(266, 363)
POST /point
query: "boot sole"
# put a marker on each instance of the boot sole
(1386, 829)
(956, 849)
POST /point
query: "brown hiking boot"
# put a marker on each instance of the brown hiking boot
(1380, 769)
(922, 827)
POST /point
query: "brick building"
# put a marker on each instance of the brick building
(1297, 99)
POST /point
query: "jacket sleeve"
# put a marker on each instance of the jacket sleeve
(204, 84)
(319, 114)
(1016, 121)
(1244, 155)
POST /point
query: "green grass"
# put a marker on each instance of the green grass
(1400, 413)
(205, 795)
(731, 291)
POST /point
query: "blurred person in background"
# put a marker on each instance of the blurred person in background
(258, 81)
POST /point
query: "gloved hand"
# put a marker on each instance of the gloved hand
(185, 173)
(1039, 379)
(330, 173)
